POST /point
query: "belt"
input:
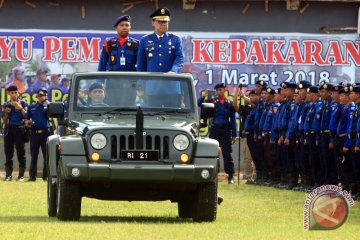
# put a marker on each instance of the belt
(266, 133)
(325, 131)
(15, 126)
(309, 133)
(342, 135)
(353, 135)
(41, 131)
(249, 132)
(220, 126)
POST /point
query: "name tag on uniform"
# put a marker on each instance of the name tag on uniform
(122, 61)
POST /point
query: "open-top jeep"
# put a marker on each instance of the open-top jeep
(133, 137)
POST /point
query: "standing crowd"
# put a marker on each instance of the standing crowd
(302, 136)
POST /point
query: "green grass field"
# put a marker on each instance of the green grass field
(248, 212)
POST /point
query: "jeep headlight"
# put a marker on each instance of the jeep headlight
(181, 142)
(98, 141)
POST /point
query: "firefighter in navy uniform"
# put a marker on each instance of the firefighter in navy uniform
(223, 128)
(40, 130)
(344, 157)
(120, 54)
(160, 51)
(13, 115)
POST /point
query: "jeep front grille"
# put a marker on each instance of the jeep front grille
(160, 143)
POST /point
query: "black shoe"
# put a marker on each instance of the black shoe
(32, 179)
(250, 182)
(8, 178)
(219, 200)
(45, 179)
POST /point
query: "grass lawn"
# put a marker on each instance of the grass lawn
(248, 212)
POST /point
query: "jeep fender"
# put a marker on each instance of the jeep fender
(206, 148)
(52, 154)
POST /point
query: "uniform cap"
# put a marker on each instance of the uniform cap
(161, 14)
(122, 18)
(220, 85)
(270, 90)
(304, 84)
(288, 85)
(261, 83)
(355, 88)
(326, 86)
(337, 88)
(313, 89)
(344, 90)
(96, 85)
(42, 92)
(12, 88)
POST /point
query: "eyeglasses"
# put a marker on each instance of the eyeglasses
(162, 22)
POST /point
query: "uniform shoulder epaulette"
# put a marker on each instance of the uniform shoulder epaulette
(172, 34)
(146, 35)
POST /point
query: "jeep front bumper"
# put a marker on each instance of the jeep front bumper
(202, 170)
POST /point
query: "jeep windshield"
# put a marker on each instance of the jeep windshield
(112, 94)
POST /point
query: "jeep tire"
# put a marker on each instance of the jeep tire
(51, 196)
(185, 208)
(205, 204)
(68, 199)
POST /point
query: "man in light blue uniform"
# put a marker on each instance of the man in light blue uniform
(161, 52)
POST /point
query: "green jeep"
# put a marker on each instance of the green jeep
(132, 137)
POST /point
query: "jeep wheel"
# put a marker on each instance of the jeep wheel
(68, 199)
(185, 208)
(51, 196)
(205, 205)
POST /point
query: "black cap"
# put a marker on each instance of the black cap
(161, 14)
(288, 85)
(270, 90)
(261, 83)
(337, 88)
(12, 88)
(220, 85)
(296, 91)
(355, 88)
(345, 90)
(96, 85)
(252, 92)
(42, 92)
(326, 86)
(278, 91)
(122, 18)
(304, 84)
(313, 89)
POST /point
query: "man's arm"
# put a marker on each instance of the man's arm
(179, 57)
(104, 58)
(141, 57)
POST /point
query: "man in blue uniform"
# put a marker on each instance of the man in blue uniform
(120, 53)
(287, 140)
(327, 161)
(40, 130)
(344, 157)
(160, 51)
(350, 143)
(13, 114)
(271, 172)
(223, 128)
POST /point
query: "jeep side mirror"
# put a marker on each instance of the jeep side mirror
(207, 110)
(55, 110)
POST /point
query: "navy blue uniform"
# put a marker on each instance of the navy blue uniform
(115, 57)
(14, 136)
(39, 134)
(222, 129)
(327, 160)
(160, 55)
(344, 158)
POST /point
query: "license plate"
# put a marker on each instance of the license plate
(147, 155)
